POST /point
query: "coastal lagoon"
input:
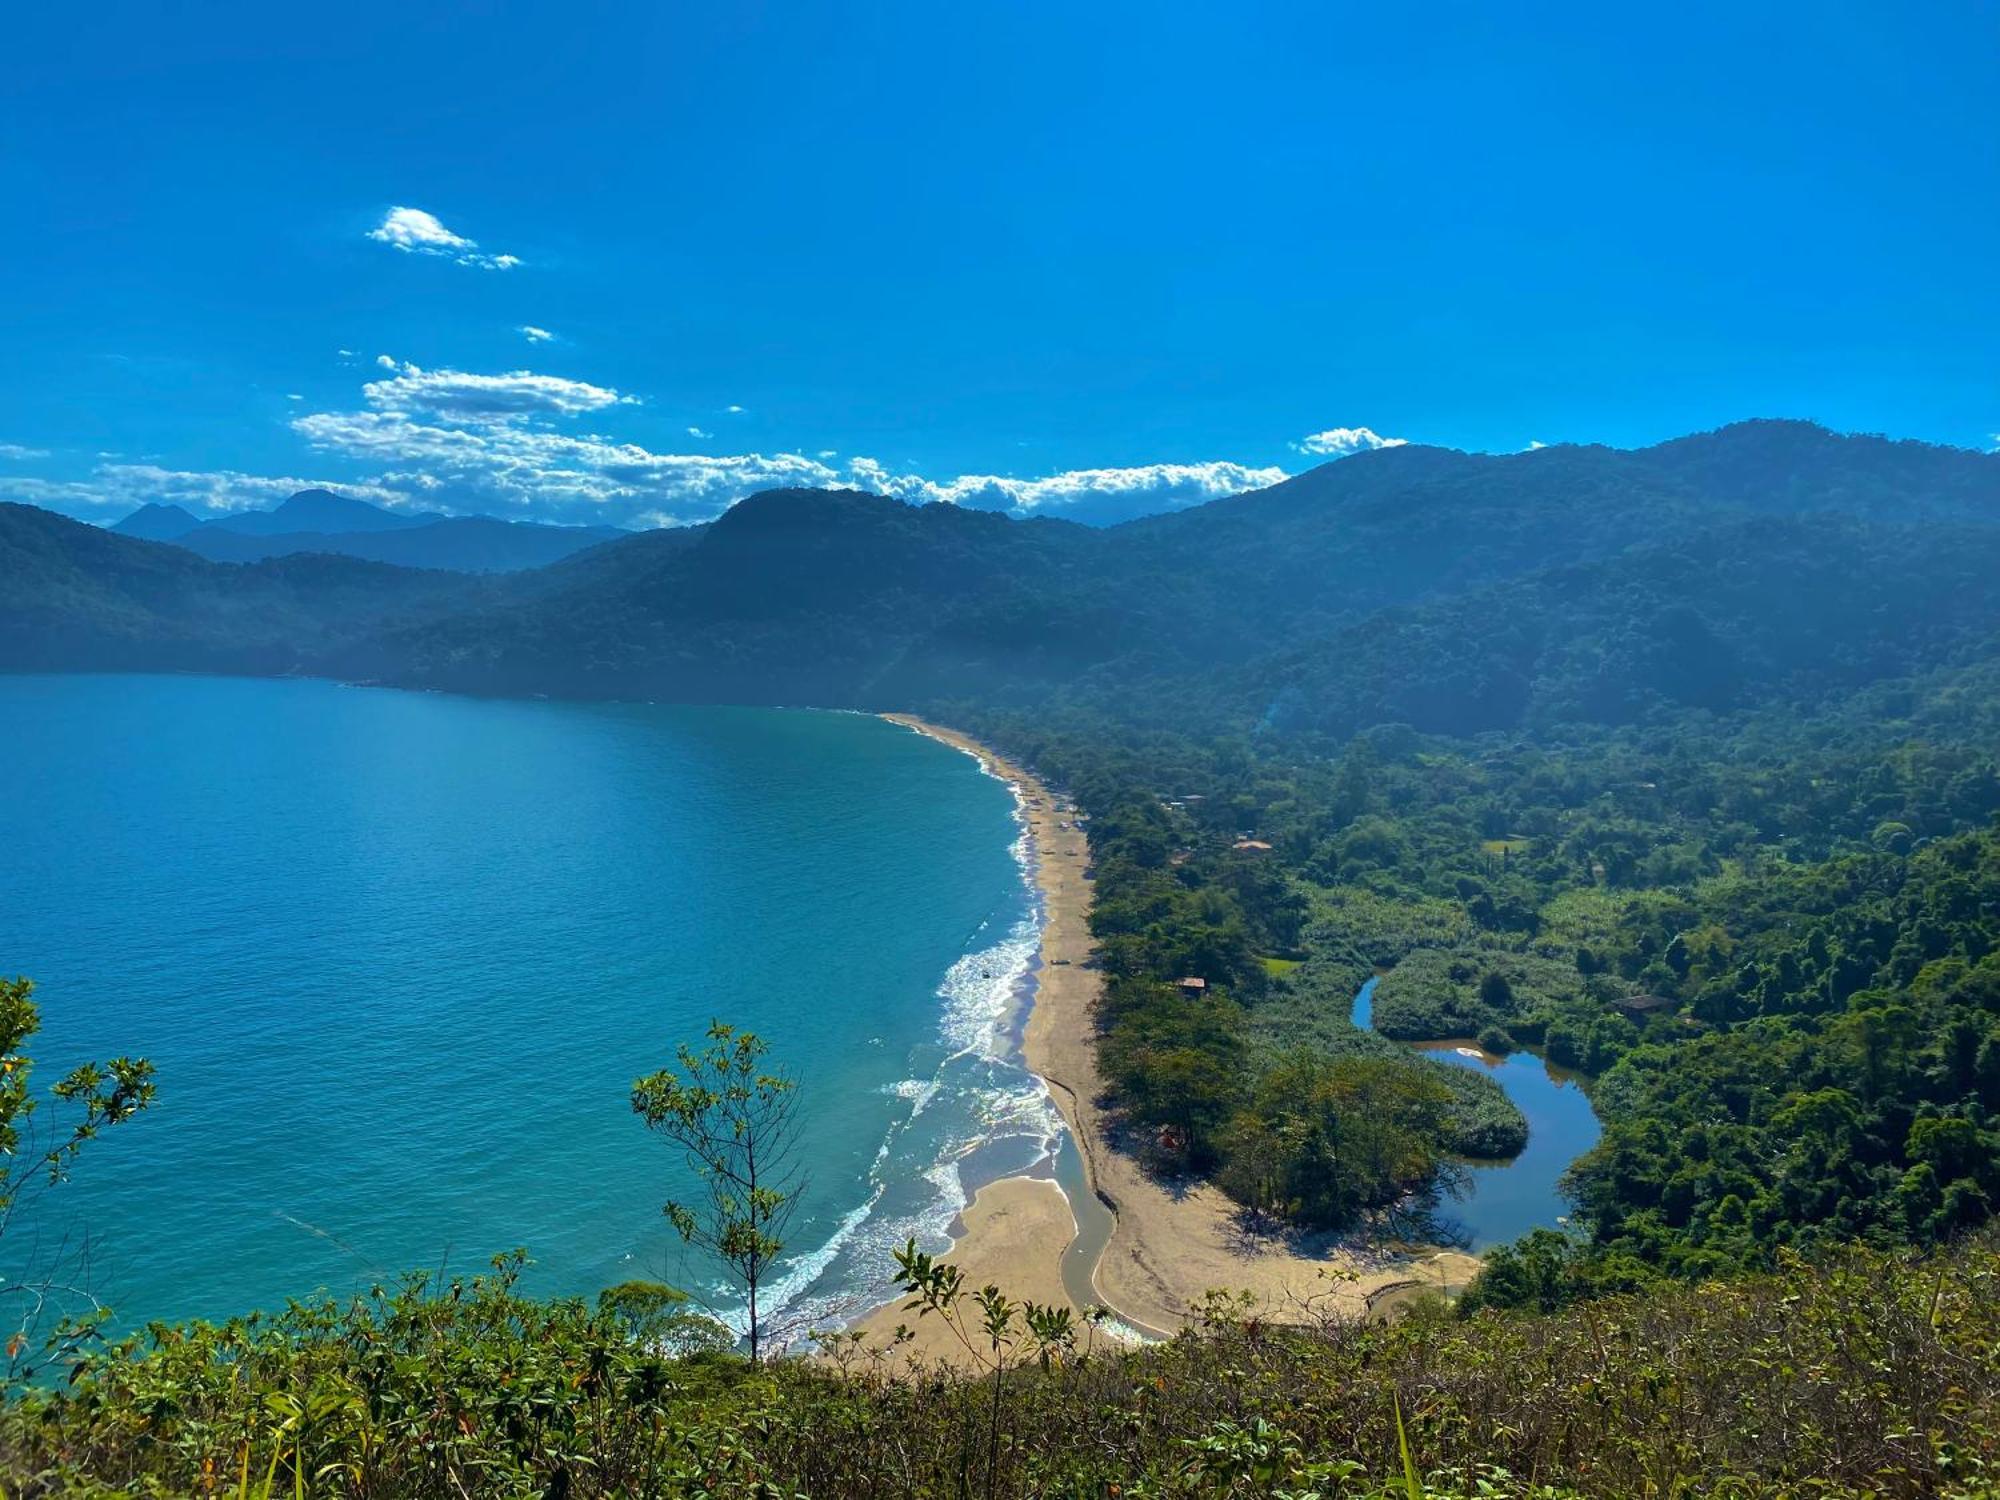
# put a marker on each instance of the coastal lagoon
(1505, 1199)
(398, 958)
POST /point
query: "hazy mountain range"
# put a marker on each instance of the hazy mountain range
(320, 521)
(1453, 591)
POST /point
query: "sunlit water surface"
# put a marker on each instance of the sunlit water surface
(398, 958)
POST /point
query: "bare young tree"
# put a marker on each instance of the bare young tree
(738, 1126)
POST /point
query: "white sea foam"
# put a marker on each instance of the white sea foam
(979, 991)
(803, 1272)
(991, 1099)
(980, 994)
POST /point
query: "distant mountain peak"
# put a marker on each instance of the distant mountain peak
(156, 522)
(322, 512)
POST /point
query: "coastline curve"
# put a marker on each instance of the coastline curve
(1149, 1252)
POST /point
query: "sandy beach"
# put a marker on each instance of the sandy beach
(1012, 1235)
(1173, 1242)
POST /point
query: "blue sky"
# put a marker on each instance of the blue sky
(1085, 260)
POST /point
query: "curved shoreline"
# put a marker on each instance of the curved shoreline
(1169, 1244)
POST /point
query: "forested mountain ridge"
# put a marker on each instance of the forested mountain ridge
(74, 597)
(1456, 591)
(459, 544)
(1403, 524)
(321, 521)
(1718, 618)
(834, 598)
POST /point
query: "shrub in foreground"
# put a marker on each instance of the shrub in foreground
(1864, 1374)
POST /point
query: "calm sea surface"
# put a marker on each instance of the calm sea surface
(398, 958)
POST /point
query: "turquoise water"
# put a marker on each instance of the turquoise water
(398, 957)
(1506, 1199)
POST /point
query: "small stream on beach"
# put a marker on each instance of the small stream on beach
(1508, 1198)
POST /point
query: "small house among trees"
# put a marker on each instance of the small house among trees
(1642, 1005)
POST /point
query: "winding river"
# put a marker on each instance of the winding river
(1508, 1198)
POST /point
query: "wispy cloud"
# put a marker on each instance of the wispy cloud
(114, 488)
(1338, 442)
(463, 397)
(491, 441)
(533, 334)
(532, 470)
(509, 443)
(1100, 497)
(417, 232)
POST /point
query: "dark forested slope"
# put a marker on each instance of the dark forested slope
(74, 597)
(460, 544)
(321, 521)
(794, 596)
(1456, 591)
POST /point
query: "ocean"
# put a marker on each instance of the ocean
(398, 957)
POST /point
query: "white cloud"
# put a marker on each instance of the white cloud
(459, 442)
(345, 353)
(1100, 497)
(531, 470)
(493, 442)
(416, 232)
(126, 487)
(533, 334)
(735, 411)
(293, 396)
(1533, 444)
(457, 396)
(1341, 441)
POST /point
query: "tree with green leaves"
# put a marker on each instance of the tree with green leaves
(737, 1124)
(36, 1150)
(655, 1316)
(993, 1330)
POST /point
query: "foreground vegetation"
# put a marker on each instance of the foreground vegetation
(1864, 1374)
